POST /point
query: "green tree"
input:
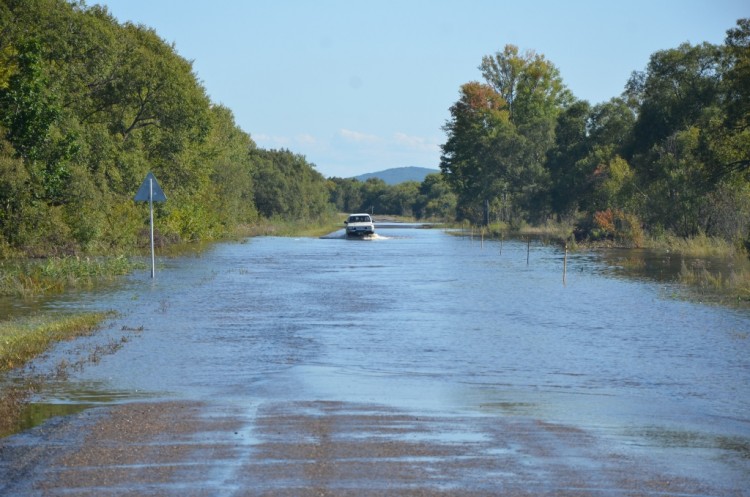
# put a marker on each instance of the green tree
(587, 140)
(499, 134)
(436, 200)
(401, 198)
(374, 192)
(568, 178)
(673, 93)
(466, 164)
(287, 186)
(530, 85)
(346, 194)
(682, 148)
(227, 151)
(729, 142)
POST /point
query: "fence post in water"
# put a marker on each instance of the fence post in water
(482, 242)
(565, 263)
(528, 249)
(501, 243)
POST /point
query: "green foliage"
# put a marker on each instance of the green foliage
(88, 106)
(478, 118)
(435, 200)
(23, 339)
(530, 85)
(672, 155)
(499, 133)
(345, 194)
(431, 199)
(29, 278)
(287, 186)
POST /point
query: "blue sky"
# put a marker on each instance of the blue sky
(362, 86)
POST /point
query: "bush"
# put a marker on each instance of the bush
(611, 226)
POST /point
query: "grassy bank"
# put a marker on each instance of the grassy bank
(23, 339)
(31, 277)
(696, 246)
(727, 281)
(555, 232)
(25, 278)
(724, 286)
(301, 228)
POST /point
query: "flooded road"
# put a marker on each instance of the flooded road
(415, 363)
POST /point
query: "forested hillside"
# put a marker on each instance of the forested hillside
(88, 106)
(670, 155)
(396, 175)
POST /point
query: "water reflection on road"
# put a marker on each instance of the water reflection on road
(431, 323)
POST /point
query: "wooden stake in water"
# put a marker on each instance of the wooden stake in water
(528, 249)
(501, 243)
(565, 263)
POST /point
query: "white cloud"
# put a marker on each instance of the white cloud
(271, 141)
(416, 142)
(279, 141)
(306, 139)
(358, 137)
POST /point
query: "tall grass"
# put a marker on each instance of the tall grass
(733, 285)
(561, 233)
(298, 227)
(23, 339)
(729, 282)
(24, 278)
(696, 246)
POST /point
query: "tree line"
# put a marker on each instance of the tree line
(670, 155)
(88, 106)
(430, 199)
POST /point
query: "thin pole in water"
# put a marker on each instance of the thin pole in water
(565, 263)
(151, 218)
(528, 249)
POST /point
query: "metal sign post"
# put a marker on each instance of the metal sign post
(151, 191)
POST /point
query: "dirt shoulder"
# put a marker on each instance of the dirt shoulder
(316, 448)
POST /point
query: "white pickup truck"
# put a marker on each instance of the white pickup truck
(359, 225)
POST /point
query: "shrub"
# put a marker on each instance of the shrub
(611, 225)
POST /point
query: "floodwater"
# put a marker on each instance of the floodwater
(424, 322)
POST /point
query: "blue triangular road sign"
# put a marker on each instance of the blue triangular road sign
(150, 186)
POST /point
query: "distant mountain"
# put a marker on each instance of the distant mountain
(398, 175)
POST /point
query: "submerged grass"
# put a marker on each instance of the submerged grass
(718, 271)
(25, 278)
(696, 246)
(732, 285)
(22, 339)
(727, 282)
(560, 233)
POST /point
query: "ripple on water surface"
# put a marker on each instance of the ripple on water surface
(421, 320)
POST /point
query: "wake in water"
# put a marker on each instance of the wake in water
(372, 237)
(341, 235)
